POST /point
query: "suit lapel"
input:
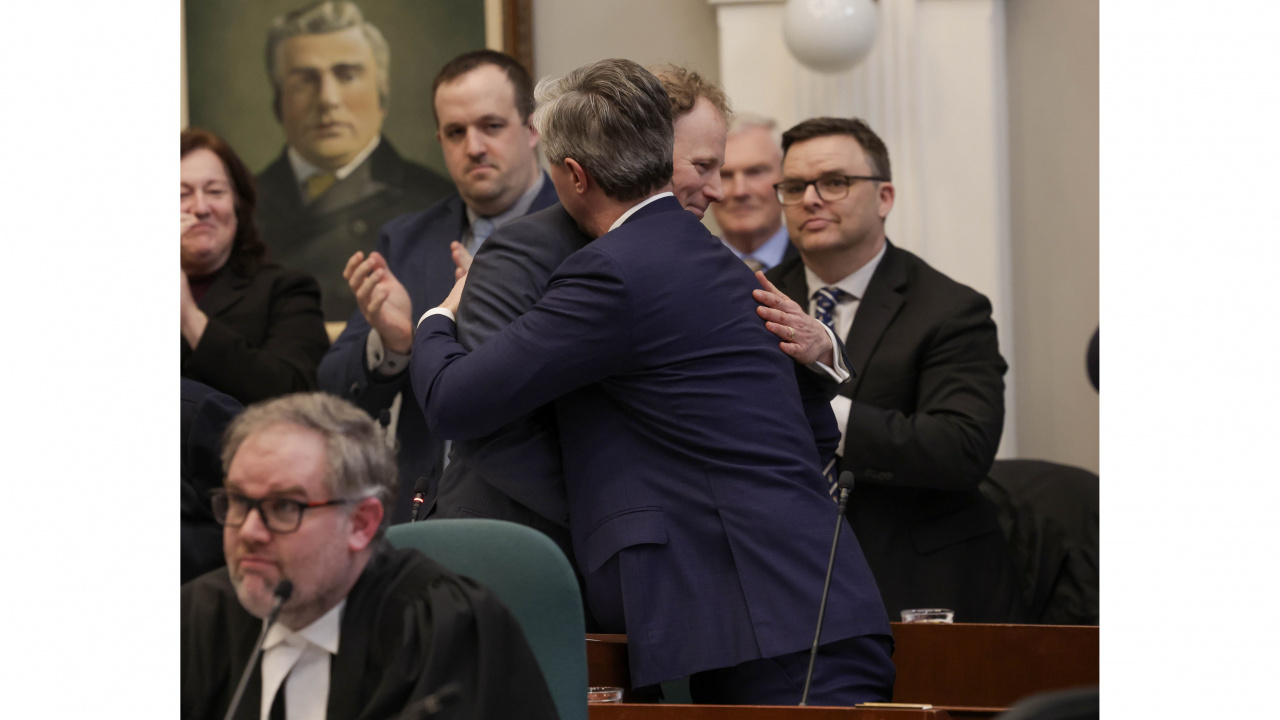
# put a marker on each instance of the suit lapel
(227, 290)
(876, 310)
(794, 285)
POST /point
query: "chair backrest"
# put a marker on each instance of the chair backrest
(532, 577)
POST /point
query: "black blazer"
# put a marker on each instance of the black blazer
(922, 432)
(265, 335)
(416, 247)
(318, 238)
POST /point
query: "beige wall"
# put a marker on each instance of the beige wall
(1053, 155)
(571, 33)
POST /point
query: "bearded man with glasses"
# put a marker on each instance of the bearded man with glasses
(921, 418)
(368, 630)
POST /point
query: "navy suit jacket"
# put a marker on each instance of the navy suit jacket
(416, 247)
(922, 432)
(686, 447)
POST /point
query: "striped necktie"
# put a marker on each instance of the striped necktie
(824, 304)
(753, 263)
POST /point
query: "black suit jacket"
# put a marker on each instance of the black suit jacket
(509, 276)
(318, 238)
(922, 432)
(265, 335)
(416, 247)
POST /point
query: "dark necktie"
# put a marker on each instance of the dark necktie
(824, 304)
(277, 705)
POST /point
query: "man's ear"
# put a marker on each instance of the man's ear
(581, 180)
(533, 133)
(885, 200)
(365, 520)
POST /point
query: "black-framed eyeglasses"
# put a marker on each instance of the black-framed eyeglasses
(830, 188)
(280, 515)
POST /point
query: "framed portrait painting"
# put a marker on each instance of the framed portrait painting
(329, 104)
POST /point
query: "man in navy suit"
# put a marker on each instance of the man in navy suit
(515, 474)
(482, 102)
(699, 514)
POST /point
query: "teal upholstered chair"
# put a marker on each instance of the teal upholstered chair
(532, 577)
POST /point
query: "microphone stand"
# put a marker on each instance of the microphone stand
(846, 486)
(283, 590)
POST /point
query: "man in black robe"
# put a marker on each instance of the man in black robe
(369, 631)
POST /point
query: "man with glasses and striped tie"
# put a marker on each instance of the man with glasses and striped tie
(921, 419)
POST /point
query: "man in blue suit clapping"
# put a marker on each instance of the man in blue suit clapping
(698, 512)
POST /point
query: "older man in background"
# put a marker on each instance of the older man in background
(368, 631)
(750, 216)
(339, 179)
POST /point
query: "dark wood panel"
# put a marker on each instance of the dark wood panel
(971, 671)
(756, 712)
(990, 666)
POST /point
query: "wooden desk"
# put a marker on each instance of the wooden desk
(969, 670)
(755, 712)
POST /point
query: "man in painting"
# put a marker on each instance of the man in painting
(338, 179)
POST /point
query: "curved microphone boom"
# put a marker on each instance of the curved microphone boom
(846, 486)
(284, 589)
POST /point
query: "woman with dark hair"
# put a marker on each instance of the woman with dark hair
(250, 329)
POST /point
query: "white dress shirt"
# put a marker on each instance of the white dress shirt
(854, 286)
(301, 660)
(304, 170)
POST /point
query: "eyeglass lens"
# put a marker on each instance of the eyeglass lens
(829, 189)
(279, 514)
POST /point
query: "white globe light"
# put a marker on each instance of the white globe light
(830, 35)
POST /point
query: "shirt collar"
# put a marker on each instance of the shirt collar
(855, 284)
(304, 170)
(519, 208)
(323, 633)
(636, 207)
(770, 253)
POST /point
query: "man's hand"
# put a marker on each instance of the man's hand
(804, 338)
(383, 301)
(461, 258)
(455, 296)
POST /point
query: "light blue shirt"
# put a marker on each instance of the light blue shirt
(770, 253)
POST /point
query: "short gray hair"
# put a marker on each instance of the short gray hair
(360, 463)
(748, 121)
(321, 17)
(613, 118)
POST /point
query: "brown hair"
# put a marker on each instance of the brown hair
(685, 86)
(467, 62)
(247, 250)
(872, 145)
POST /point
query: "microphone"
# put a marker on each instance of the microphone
(283, 590)
(846, 486)
(432, 704)
(419, 497)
